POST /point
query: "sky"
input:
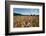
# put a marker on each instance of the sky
(26, 11)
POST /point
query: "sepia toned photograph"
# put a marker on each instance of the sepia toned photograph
(25, 17)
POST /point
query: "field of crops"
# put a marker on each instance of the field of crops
(26, 21)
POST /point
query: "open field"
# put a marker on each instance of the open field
(26, 21)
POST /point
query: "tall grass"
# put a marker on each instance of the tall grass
(26, 21)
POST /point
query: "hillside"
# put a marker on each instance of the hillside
(16, 14)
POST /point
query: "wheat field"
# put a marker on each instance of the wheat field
(26, 21)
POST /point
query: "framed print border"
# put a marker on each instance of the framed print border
(28, 32)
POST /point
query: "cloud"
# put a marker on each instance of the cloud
(26, 11)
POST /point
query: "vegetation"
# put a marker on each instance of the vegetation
(26, 21)
(15, 14)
